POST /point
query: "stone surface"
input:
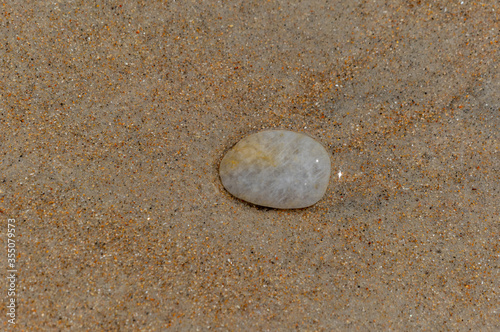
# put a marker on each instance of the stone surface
(277, 168)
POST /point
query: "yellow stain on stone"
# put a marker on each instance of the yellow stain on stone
(249, 153)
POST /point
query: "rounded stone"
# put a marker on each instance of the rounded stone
(277, 168)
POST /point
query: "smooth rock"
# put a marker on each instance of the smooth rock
(277, 168)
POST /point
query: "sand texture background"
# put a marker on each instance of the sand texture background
(116, 114)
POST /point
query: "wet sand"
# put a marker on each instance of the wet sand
(115, 116)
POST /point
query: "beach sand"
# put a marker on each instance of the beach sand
(114, 119)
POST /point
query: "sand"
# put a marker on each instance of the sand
(115, 116)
